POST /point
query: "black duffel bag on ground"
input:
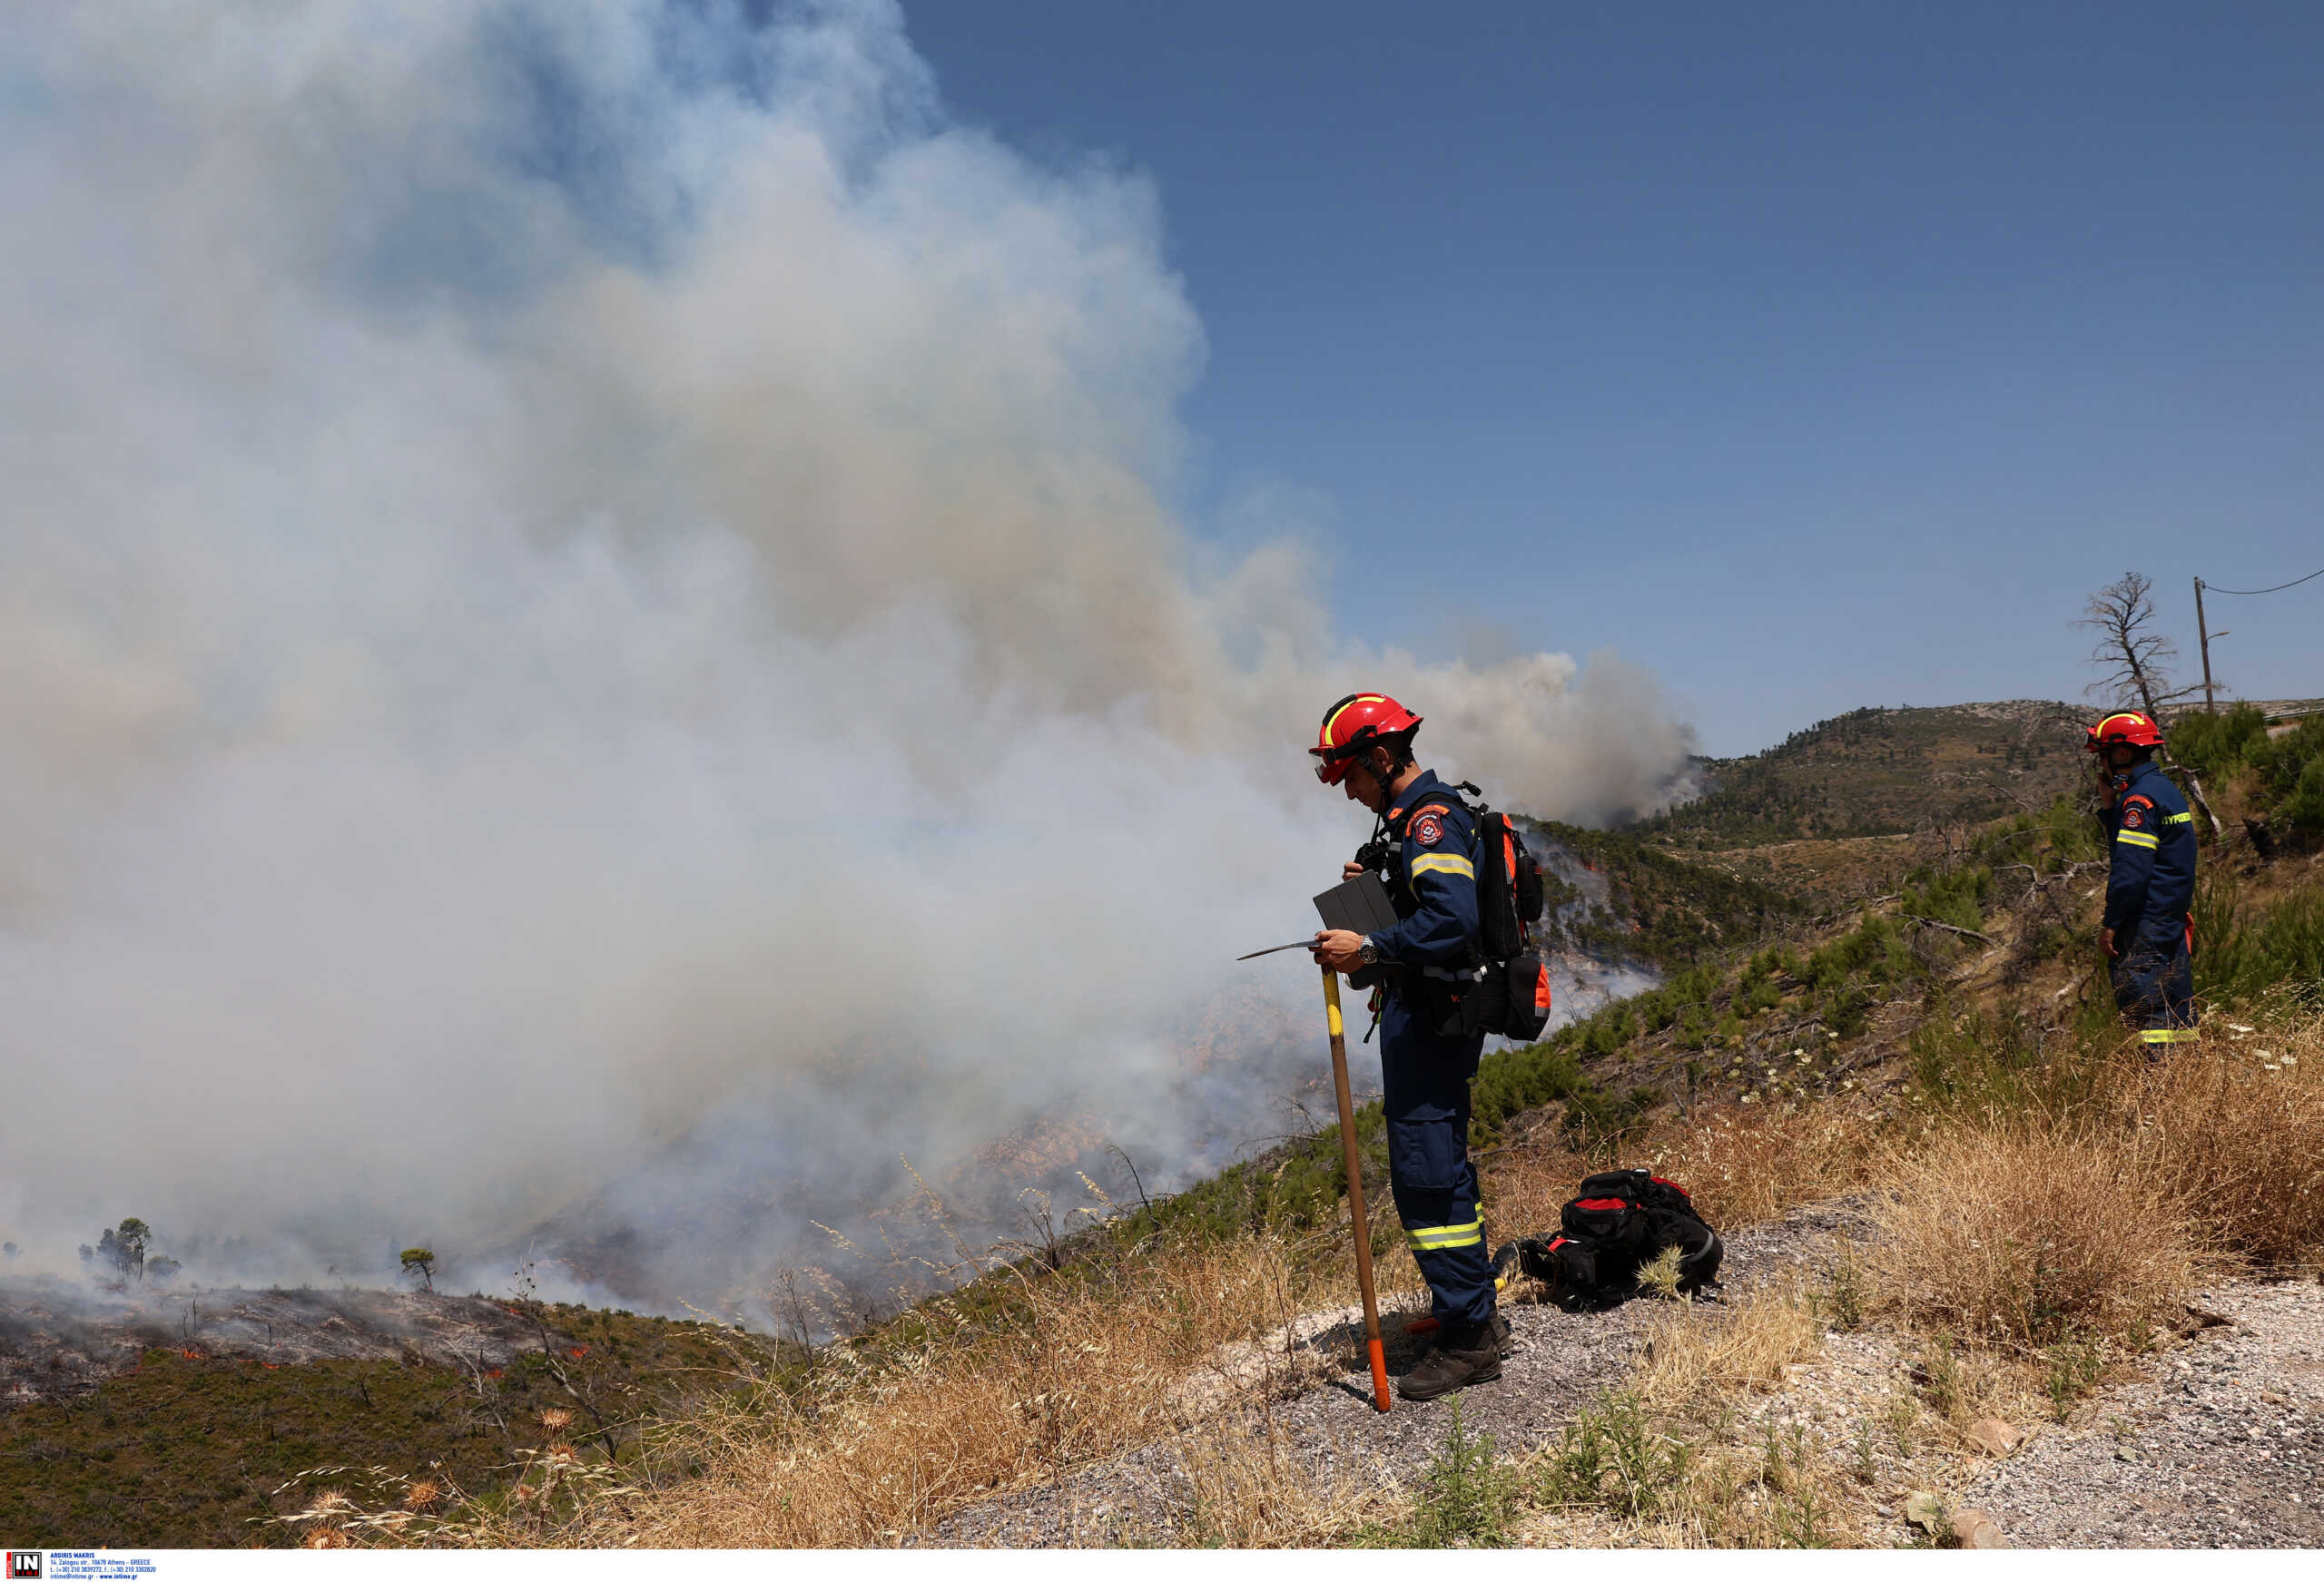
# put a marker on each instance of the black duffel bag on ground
(1620, 1221)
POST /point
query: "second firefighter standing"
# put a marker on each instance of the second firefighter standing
(2148, 933)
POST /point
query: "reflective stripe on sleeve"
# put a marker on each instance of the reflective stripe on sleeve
(1443, 862)
(2134, 838)
(2169, 1035)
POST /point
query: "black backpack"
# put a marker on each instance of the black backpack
(1620, 1220)
(1511, 994)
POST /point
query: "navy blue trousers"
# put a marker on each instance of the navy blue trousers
(1424, 1089)
(2155, 985)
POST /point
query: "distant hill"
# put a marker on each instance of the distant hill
(1611, 895)
(1883, 772)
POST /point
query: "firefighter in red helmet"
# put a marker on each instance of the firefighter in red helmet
(2147, 933)
(1427, 1061)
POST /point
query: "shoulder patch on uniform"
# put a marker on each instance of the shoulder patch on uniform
(2133, 816)
(1427, 830)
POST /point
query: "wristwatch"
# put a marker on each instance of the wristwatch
(1368, 953)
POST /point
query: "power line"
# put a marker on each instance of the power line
(2280, 587)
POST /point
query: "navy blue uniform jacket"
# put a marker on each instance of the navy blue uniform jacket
(1431, 878)
(2151, 875)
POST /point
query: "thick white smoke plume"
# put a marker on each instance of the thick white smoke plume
(574, 563)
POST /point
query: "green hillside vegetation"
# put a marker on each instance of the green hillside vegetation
(1881, 771)
(2280, 779)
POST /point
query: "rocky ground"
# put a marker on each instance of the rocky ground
(2219, 1439)
(1563, 1362)
(2220, 1446)
(58, 1341)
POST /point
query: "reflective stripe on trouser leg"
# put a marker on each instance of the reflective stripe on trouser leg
(1436, 1238)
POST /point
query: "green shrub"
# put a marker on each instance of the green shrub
(1468, 1499)
(1959, 898)
(2280, 764)
(2002, 1062)
(2243, 951)
(1613, 1458)
(2218, 745)
(2074, 1369)
(2070, 833)
(2304, 808)
(1874, 949)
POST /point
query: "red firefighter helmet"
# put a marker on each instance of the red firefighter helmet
(2128, 728)
(1358, 721)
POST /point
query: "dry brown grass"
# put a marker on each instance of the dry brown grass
(1525, 1187)
(2029, 1237)
(1698, 1356)
(1744, 1166)
(877, 1453)
(1749, 1166)
(2085, 1223)
(2232, 1131)
(1254, 1490)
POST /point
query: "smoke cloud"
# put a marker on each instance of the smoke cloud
(578, 568)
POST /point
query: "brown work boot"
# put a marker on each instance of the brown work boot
(1464, 1355)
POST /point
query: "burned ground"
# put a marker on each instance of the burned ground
(177, 1419)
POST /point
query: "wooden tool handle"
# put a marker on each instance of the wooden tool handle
(1362, 1220)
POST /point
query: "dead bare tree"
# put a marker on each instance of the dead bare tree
(2131, 653)
(2135, 659)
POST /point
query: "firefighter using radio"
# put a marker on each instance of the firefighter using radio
(2147, 933)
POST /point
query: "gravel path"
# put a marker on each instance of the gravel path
(2219, 1442)
(1563, 1362)
(2222, 1446)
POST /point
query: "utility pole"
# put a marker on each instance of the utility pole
(2203, 634)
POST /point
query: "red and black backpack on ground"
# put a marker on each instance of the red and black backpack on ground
(1620, 1220)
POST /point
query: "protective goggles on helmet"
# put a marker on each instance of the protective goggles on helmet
(1356, 723)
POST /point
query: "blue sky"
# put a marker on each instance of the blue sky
(1812, 356)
